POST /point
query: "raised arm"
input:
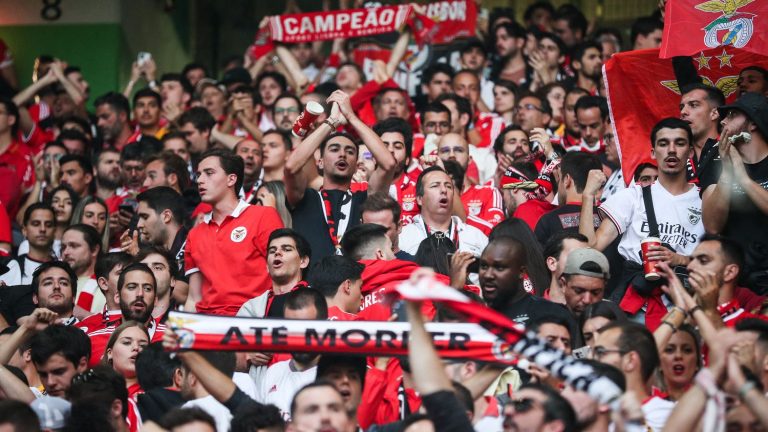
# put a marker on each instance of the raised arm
(398, 51)
(606, 232)
(293, 68)
(58, 69)
(385, 163)
(295, 178)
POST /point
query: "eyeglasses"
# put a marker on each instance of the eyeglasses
(286, 110)
(527, 107)
(599, 352)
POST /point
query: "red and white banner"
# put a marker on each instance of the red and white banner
(371, 338)
(642, 90)
(694, 25)
(349, 23)
(453, 19)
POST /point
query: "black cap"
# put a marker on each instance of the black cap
(236, 75)
(755, 106)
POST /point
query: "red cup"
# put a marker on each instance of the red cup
(306, 118)
(649, 267)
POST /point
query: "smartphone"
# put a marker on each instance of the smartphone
(133, 224)
(399, 309)
(143, 57)
(582, 352)
(473, 267)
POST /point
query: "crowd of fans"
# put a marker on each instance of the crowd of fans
(501, 174)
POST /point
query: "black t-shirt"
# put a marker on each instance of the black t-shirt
(177, 251)
(564, 218)
(308, 218)
(705, 170)
(531, 308)
(746, 223)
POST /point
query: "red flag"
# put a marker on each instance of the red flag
(694, 25)
(642, 90)
(453, 18)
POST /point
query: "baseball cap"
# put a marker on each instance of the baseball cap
(755, 106)
(587, 262)
(52, 412)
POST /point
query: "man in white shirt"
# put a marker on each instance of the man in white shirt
(676, 203)
(284, 379)
(38, 229)
(193, 391)
(434, 195)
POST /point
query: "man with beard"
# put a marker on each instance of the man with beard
(586, 62)
(163, 267)
(39, 230)
(54, 286)
(251, 153)
(571, 133)
(502, 266)
(285, 111)
(512, 144)
(283, 379)
(391, 102)
(592, 118)
(338, 205)
(77, 172)
(397, 136)
(698, 108)
(132, 163)
(146, 112)
(677, 207)
(80, 247)
(113, 113)
(482, 203)
(136, 293)
(510, 64)
(108, 268)
(108, 178)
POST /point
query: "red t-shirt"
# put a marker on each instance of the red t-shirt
(336, 314)
(231, 257)
(405, 193)
(489, 126)
(17, 175)
(532, 210)
(5, 226)
(484, 202)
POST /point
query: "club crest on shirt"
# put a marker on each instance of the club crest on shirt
(694, 215)
(408, 204)
(474, 209)
(238, 234)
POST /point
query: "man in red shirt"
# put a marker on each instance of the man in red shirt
(339, 279)
(397, 135)
(136, 291)
(225, 255)
(17, 174)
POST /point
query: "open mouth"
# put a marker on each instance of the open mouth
(342, 165)
(443, 202)
(277, 263)
(678, 369)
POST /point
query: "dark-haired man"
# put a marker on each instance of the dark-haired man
(698, 108)
(113, 113)
(251, 153)
(136, 295)
(435, 194)
(587, 62)
(646, 33)
(288, 256)
(592, 118)
(54, 286)
(162, 265)
(233, 232)
(284, 379)
(108, 268)
(383, 210)
(435, 80)
(323, 216)
(108, 175)
(77, 172)
(276, 147)
(339, 279)
(396, 134)
(80, 247)
(161, 222)
(502, 265)
(39, 230)
(176, 93)
(166, 169)
(574, 170)
(196, 124)
(146, 112)
(556, 252)
(677, 207)
(570, 25)
(724, 258)
(737, 204)
(631, 348)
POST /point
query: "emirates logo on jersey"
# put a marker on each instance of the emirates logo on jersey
(238, 234)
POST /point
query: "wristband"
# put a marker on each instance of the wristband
(672, 326)
(746, 388)
(678, 308)
(333, 125)
(695, 309)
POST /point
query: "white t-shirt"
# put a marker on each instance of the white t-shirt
(14, 276)
(470, 238)
(219, 412)
(280, 383)
(614, 184)
(656, 411)
(678, 217)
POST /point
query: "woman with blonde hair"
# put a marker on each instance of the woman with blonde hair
(272, 194)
